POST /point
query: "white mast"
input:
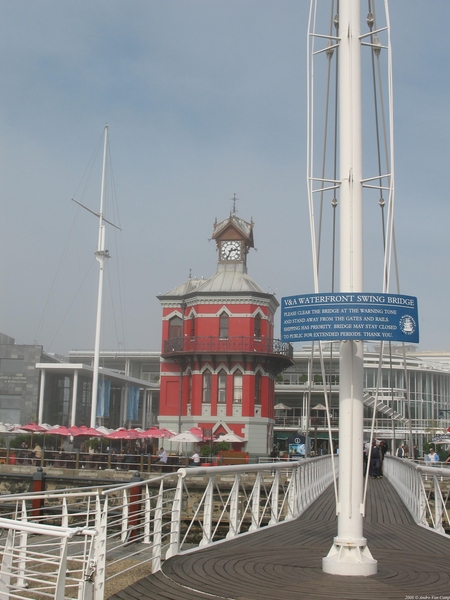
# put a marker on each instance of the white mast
(349, 554)
(101, 255)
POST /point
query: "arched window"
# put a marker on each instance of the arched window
(237, 388)
(258, 388)
(222, 387)
(207, 379)
(223, 325)
(175, 327)
(192, 325)
(258, 326)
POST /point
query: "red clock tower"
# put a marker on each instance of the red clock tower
(219, 358)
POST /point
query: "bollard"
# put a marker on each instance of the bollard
(134, 506)
(37, 503)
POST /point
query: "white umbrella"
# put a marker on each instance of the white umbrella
(185, 436)
(281, 406)
(230, 437)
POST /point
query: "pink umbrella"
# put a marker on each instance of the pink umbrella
(87, 431)
(165, 433)
(123, 434)
(153, 432)
(197, 432)
(61, 430)
(32, 428)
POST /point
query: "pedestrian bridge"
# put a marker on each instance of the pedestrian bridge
(252, 531)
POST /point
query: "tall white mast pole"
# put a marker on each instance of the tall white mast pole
(350, 554)
(101, 255)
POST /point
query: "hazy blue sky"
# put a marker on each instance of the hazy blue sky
(204, 99)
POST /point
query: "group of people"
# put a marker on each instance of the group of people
(376, 451)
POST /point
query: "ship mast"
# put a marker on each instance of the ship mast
(101, 255)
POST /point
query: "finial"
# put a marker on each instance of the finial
(234, 210)
(190, 273)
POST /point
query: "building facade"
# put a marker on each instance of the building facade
(20, 380)
(219, 358)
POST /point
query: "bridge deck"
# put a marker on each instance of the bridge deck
(285, 561)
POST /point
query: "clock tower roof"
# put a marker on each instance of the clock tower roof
(234, 228)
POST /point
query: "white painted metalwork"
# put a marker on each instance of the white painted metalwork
(424, 491)
(135, 527)
(57, 562)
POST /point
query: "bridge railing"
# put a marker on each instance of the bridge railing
(135, 527)
(424, 490)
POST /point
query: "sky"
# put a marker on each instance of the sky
(204, 99)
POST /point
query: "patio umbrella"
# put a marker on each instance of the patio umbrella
(61, 430)
(231, 438)
(185, 437)
(123, 434)
(153, 432)
(197, 431)
(87, 431)
(31, 428)
(166, 433)
(281, 406)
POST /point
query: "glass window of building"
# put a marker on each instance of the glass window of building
(223, 325)
(258, 326)
(222, 387)
(237, 388)
(207, 380)
(175, 327)
(258, 388)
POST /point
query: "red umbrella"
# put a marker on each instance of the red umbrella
(197, 432)
(60, 430)
(87, 431)
(153, 432)
(165, 433)
(124, 434)
(34, 428)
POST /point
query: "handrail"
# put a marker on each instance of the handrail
(162, 516)
(420, 489)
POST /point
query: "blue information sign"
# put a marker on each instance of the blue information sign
(350, 316)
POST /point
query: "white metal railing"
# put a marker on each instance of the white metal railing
(135, 527)
(423, 489)
(57, 562)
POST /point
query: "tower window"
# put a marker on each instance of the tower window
(207, 387)
(175, 327)
(237, 388)
(258, 388)
(223, 325)
(258, 326)
(192, 324)
(222, 387)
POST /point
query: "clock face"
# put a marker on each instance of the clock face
(230, 250)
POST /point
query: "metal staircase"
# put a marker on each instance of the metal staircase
(384, 409)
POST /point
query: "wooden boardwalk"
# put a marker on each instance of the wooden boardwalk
(284, 562)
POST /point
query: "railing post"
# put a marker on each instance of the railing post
(208, 512)
(5, 574)
(101, 525)
(234, 507)
(175, 524)
(61, 580)
(256, 500)
(438, 506)
(157, 531)
(275, 494)
(147, 516)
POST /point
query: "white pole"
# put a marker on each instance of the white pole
(349, 554)
(100, 255)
